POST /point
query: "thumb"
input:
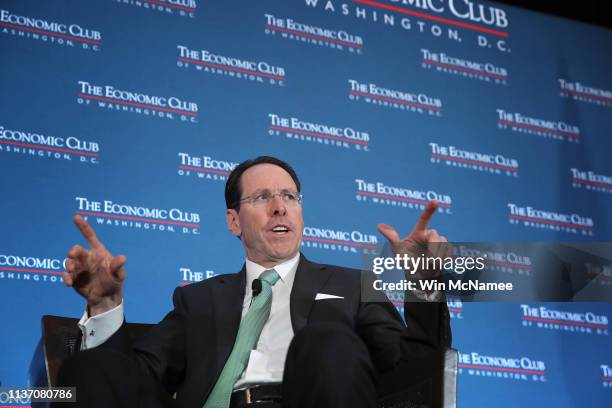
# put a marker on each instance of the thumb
(116, 267)
(388, 232)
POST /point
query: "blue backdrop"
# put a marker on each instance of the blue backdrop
(133, 112)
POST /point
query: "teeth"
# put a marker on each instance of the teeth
(280, 229)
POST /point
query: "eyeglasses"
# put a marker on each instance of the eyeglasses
(265, 197)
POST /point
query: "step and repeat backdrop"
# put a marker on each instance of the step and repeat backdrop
(133, 112)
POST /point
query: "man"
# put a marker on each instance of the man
(303, 325)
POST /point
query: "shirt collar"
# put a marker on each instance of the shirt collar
(286, 270)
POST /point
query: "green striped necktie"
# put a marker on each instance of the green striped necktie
(248, 334)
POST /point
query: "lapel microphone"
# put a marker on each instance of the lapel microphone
(256, 287)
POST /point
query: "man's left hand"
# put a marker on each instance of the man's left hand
(418, 242)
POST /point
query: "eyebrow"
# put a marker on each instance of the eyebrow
(267, 190)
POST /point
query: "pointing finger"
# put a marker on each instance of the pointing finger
(425, 217)
(87, 231)
(389, 232)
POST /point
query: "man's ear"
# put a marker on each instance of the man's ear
(233, 222)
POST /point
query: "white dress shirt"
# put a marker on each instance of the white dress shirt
(267, 360)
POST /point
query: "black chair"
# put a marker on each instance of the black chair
(429, 382)
(425, 382)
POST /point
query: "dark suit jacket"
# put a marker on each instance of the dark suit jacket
(187, 350)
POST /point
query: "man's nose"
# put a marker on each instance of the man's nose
(278, 206)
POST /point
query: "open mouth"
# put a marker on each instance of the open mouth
(280, 229)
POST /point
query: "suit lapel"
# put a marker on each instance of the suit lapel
(309, 279)
(229, 295)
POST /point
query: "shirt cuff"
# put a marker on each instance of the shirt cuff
(97, 329)
(433, 296)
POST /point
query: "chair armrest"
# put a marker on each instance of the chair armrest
(428, 381)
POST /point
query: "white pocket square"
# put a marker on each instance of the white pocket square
(321, 296)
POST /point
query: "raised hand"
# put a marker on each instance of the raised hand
(95, 274)
(419, 239)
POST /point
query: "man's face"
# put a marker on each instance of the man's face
(271, 233)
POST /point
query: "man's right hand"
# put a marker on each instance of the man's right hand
(95, 274)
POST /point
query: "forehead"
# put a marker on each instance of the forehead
(266, 176)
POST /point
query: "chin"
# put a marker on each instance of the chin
(285, 254)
